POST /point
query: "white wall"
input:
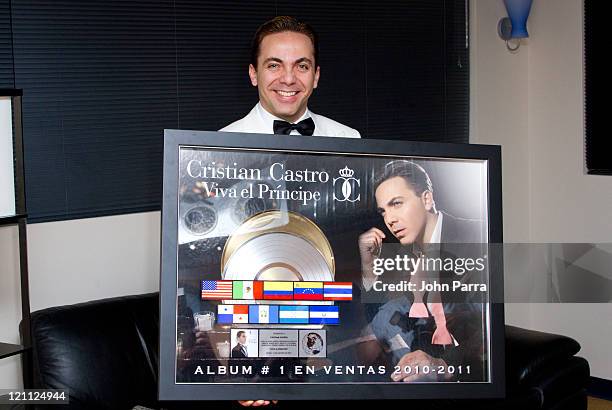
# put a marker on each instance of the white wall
(10, 304)
(499, 108)
(566, 204)
(88, 259)
(531, 103)
(7, 177)
(76, 261)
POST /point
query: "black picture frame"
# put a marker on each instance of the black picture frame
(169, 390)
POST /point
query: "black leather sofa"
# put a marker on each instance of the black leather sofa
(106, 354)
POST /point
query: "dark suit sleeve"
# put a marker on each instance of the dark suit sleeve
(468, 358)
(237, 352)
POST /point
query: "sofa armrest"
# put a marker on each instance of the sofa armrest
(528, 352)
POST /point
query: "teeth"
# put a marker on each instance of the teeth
(287, 93)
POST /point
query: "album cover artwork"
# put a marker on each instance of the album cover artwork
(309, 268)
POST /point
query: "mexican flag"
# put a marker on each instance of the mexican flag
(247, 289)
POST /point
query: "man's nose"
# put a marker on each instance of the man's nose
(288, 76)
(390, 219)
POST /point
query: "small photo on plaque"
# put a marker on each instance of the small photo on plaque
(313, 343)
(278, 343)
(244, 343)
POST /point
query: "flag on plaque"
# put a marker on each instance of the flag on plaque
(293, 314)
(338, 291)
(263, 314)
(248, 290)
(217, 289)
(307, 290)
(324, 315)
(229, 314)
(278, 290)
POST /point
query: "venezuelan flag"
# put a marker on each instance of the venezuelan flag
(308, 290)
(278, 290)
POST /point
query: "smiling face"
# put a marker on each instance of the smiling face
(404, 212)
(285, 74)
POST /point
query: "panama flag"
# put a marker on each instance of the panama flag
(228, 314)
(263, 314)
(247, 289)
(293, 314)
(307, 290)
(324, 315)
(338, 291)
(278, 290)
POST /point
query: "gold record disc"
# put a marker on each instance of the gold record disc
(278, 245)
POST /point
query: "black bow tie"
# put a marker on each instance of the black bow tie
(304, 127)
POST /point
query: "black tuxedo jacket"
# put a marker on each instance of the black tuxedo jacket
(237, 352)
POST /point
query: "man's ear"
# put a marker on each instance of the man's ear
(316, 79)
(253, 75)
(428, 200)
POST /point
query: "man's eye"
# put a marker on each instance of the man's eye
(272, 65)
(304, 67)
(396, 203)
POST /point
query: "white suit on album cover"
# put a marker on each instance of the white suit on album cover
(260, 121)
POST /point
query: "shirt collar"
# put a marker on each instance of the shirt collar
(436, 236)
(269, 118)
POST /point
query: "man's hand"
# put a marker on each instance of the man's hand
(370, 245)
(412, 368)
(257, 403)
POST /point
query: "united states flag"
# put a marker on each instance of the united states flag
(217, 289)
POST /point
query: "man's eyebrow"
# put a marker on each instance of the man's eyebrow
(390, 202)
(302, 60)
(275, 59)
(298, 61)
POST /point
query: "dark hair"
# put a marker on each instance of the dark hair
(278, 25)
(240, 333)
(414, 175)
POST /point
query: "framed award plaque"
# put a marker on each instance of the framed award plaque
(319, 268)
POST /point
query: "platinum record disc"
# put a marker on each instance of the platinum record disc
(278, 256)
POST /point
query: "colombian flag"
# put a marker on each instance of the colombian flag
(278, 290)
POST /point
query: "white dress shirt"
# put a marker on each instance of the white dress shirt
(260, 121)
(436, 235)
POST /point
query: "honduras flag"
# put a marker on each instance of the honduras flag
(324, 315)
(293, 314)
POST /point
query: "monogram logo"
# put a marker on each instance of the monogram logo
(346, 187)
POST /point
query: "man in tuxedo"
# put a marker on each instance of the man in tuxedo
(240, 350)
(405, 200)
(419, 328)
(285, 69)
